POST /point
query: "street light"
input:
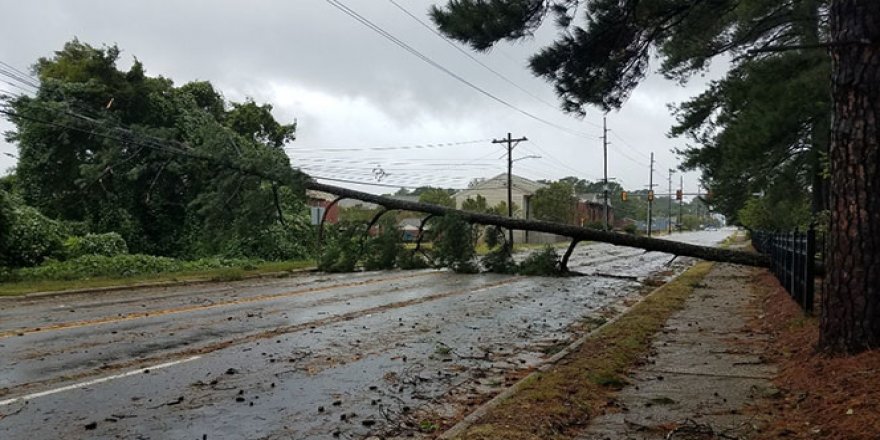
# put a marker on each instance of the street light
(531, 156)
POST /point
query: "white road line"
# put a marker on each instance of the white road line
(77, 386)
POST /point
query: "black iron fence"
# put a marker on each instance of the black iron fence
(794, 261)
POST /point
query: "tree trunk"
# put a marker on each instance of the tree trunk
(850, 320)
(574, 232)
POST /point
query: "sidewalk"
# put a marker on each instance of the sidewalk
(704, 368)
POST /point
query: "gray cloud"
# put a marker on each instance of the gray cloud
(347, 86)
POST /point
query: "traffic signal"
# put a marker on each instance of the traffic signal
(678, 194)
(651, 196)
(624, 196)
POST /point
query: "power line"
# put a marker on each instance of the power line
(382, 185)
(390, 37)
(476, 60)
(386, 148)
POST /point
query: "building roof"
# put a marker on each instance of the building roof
(519, 184)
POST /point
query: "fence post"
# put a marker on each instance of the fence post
(810, 277)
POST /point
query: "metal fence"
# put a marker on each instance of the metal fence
(793, 256)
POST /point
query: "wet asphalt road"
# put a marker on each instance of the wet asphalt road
(315, 356)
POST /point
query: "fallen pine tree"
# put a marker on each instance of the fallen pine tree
(575, 233)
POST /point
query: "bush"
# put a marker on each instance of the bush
(596, 225)
(541, 263)
(499, 261)
(109, 244)
(30, 237)
(119, 266)
(454, 244)
(630, 228)
(384, 249)
(340, 252)
(411, 261)
(274, 243)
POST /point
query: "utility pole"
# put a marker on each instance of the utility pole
(651, 197)
(511, 144)
(680, 201)
(605, 161)
(669, 205)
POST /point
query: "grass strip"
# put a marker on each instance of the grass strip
(554, 404)
(217, 274)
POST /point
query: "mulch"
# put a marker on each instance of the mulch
(821, 396)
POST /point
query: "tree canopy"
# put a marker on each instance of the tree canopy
(766, 121)
(149, 182)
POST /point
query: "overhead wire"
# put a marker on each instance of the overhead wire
(400, 43)
(478, 61)
(387, 148)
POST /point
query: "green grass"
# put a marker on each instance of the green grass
(558, 401)
(218, 274)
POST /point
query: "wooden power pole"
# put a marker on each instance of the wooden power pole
(511, 144)
(651, 197)
(605, 166)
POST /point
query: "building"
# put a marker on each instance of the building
(590, 210)
(318, 202)
(494, 190)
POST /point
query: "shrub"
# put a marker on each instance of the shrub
(411, 261)
(273, 243)
(128, 265)
(454, 244)
(30, 238)
(340, 251)
(499, 260)
(541, 263)
(630, 228)
(596, 225)
(109, 244)
(384, 248)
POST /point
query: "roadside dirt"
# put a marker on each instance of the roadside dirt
(819, 396)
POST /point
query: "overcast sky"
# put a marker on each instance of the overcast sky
(348, 87)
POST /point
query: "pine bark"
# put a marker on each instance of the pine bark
(850, 320)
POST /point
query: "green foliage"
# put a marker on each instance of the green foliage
(555, 203)
(762, 213)
(94, 266)
(232, 193)
(384, 249)
(437, 196)
(499, 260)
(596, 225)
(454, 241)
(411, 261)
(541, 263)
(771, 113)
(29, 237)
(356, 214)
(630, 228)
(475, 205)
(273, 243)
(340, 249)
(6, 219)
(108, 244)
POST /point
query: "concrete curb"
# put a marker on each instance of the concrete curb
(474, 416)
(147, 285)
